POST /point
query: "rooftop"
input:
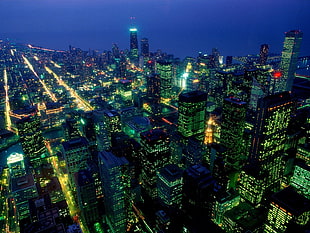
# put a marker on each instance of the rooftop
(291, 201)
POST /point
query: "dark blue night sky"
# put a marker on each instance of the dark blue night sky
(180, 27)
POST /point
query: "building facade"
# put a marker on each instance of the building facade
(192, 114)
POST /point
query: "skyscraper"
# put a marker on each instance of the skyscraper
(29, 130)
(114, 173)
(153, 93)
(263, 54)
(86, 194)
(265, 169)
(169, 185)
(192, 114)
(288, 212)
(198, 192)
(112, 121)
(289, 58)
(232, 129)
(145, 51)
(155, 154)
(16, 165)
(229, 61)
(76, 154)
(71, 128)
(164, 69)
(134, 52)
(232, 137)
(300, 179)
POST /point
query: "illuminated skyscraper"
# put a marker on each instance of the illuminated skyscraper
(169, 185)
(229, 61)
(134, 52)
(23, 188)
(89, 130)
(164, 69)
(222, 204)
(288, 212)
(114, 173)
(125, 91)
(155, 154)
(145, 52)
(289, 58)
(232, 129)
(76, 154)
(71, 128)
(153, 93)
(120, 67)
(232, 137)
(263, 54)
(198, 192)
(192, 114)
(260, 87)
(115, 51)
(86, 194)
(300, 180)
(16, 165)
(113, 121)
(265, 169)
(29, 130)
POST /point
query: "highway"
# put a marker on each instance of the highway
(8, 122)
(83, 104)
(64, 182)
(52, 96)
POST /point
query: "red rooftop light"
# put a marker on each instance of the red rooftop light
(277, 74)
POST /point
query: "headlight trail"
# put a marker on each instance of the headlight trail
(52, 96)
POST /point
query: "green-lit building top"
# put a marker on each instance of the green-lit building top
(192, 114)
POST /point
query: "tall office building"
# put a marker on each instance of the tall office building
(240, 84)
(115, 51)
(300, 179)
(145, 51)
(155, 154)
(229, 60)
(198, 192)
(120, 66)
(218, 86)
(288, 212)
(289, 58)
(170, 184)
(260, 86)
(89, 131)
(243, 218)
(71, 128)
(193, 151)
(192, 114)
(263, 54)
(232, 130)
(125, 92)
(23, 188)
(30, 133)
(16, 165)
(76, 154)
(86, 195)
(222, 204)
(265, 169)
(165, 71)
(134, 52)
(153, 93)
(114, 172)
(112, 121)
